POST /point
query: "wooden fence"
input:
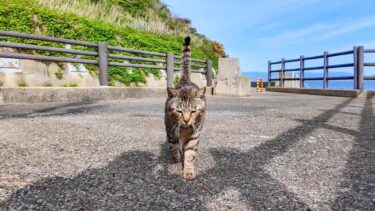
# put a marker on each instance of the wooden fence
(357, 63)
(102, 56)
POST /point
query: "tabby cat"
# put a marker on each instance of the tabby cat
(184, 114)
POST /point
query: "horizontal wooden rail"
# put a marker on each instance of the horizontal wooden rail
(314, 68)
(341, 53)
(102, 54)
(358, 65)
(193, 65)
(193, 60)
(135, 65)
(46, 58)
(46, 48)
(314, 57)
(116, 48)
(46, 38)
(341, 65)
(291, 60)
(193, 70)
(369, 51)
(117, 56)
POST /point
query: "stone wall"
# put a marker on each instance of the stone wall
(39, 74)
(229, 80)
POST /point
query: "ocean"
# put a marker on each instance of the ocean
(368, 85)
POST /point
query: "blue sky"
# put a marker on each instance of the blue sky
(262, 30)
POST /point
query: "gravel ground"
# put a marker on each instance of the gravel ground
(271, 151)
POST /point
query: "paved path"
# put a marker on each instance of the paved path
(269, 151)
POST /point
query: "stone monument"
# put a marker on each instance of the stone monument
(229, 80)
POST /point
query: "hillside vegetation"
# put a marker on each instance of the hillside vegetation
(136, 24)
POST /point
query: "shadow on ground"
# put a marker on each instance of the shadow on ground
(139, 180)
(58, 110)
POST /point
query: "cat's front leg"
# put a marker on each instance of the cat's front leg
(174, 148)
(190, 149)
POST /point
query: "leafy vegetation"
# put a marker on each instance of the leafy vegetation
(47, 84)
(59, 74)
(176, 80)
(22, 84)
(70, 85)
(33, 17)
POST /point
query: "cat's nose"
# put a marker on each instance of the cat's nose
(186, 121)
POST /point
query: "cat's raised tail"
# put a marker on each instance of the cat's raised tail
(186, 62)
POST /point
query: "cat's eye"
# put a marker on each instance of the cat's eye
(179, 111)
(193, 111)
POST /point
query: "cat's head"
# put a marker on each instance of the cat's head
(186, 107)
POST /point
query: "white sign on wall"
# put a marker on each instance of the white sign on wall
(9, 65)
(76, 69)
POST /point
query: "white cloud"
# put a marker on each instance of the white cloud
(317, 32)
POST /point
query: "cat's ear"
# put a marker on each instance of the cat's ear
(172, 92)
(201, 92)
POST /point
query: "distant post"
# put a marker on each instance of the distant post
(282, 72)
(301, 71)
(360, 67)
(269, 73)
(325, 68)
(170, 69)
(355, 61)
(103, 63)
(209, 73)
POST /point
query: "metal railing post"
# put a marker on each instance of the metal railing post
(103, 63)
(209, 73)
(325, 69)
(269, 73)
(355, 69)
(360, 67)
(170, 69)
(282, 73)
(301, 72)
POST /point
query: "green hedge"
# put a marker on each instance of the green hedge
(27, 17)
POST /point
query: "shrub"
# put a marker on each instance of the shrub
(59, 74)
(22, 84)
(47, 84)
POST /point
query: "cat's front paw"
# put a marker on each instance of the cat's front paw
(189, 175)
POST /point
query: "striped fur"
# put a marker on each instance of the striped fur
(184, 115)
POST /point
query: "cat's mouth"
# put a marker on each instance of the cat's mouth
(185, 125)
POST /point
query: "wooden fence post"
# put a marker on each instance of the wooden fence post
(301, 72)
(355, 62)
(170, 69)
(282, 74)
(360, 67)
(209, 73)
(103, 63)
(269, 73)
(325, 69)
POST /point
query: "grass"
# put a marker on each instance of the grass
(59, 74)
(22, 84)
(47, 84)
(176, 80)
(157, 19)
(70, 85)
(1, 83)
(30, 17)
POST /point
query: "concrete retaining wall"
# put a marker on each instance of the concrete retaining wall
(62, 94)
(327, 92)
